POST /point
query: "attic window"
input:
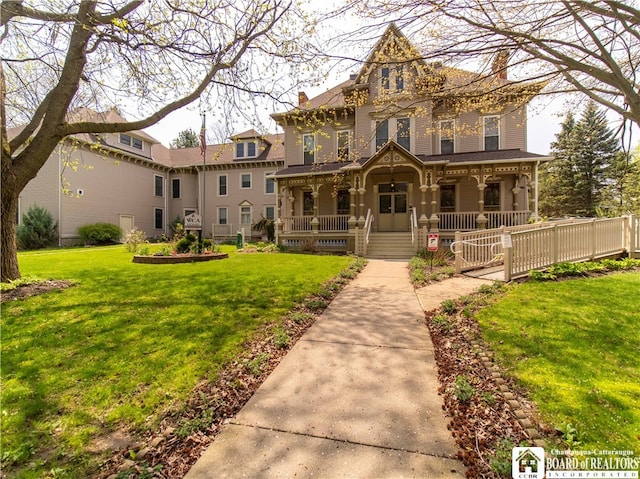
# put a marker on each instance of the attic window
(136, 143)
(125, 139)
(392, 79)
(246, 149)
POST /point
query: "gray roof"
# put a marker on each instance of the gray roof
(475, 157)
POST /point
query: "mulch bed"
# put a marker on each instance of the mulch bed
(493, 416)
(27, 290)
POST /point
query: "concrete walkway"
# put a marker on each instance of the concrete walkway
(355, 397)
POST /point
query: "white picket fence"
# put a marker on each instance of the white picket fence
(540, 245)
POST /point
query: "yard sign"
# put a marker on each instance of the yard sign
(432, 244)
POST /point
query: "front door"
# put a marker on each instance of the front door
(393, 207)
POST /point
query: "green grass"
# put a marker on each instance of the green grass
(127, 342)
(575, 346)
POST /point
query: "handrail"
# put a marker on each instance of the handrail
(367, 224)
(414, 224)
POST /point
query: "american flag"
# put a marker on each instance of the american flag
(203, 140)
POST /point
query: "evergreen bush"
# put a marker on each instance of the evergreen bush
(37, 230)
(99, 234)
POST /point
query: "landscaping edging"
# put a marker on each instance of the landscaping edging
(176, 259)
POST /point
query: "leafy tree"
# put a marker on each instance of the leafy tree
(590, 47)
(38, 229)
(585, 159)
(59, 57)
(186, 139)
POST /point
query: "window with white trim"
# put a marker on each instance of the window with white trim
(270, 212)
(222, 185)
(158, 218)
(136, 143)
(392, 79)
(158, 186)
(447, 139)
(308, 148)
(382, 133)
(403, 132)
(125, 139)
(175, 188)
(491, 132)
(245, 215)
(343, 138)
(245, 181)
(246, 149)
(269, 184)
(223, 217)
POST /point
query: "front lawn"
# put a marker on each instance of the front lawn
(575, 346)
(128, 342)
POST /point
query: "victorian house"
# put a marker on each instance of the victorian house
(404, 149)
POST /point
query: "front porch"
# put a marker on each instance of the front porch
(333, 232)
(338, 206)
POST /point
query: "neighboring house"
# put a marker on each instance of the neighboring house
(135, 182)
(402, 149)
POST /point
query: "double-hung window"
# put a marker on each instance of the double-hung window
(245, 215)
(223, 217)
(245, 181)
(270, 212)
(308, 148)
(447, 198)
(222, 185)
(269, 184)
(158, 218)
(491, 132)
(403, 132)
(382, 133)
(175, 188)
(343, 139)
(158, 186)
(447, 141)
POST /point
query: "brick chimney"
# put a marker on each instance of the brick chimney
(500, 64)
(302, 98)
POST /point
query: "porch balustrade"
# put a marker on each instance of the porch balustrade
(466, 221)
(326, 223)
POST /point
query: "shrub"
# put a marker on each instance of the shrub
(184, 245)
(99, 234)
(134, 239)
(38, 229)
(449, 306)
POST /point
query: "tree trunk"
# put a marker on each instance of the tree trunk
(8, 250)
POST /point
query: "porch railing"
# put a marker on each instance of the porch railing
(466, 220)
(326, 223)
(414, 225)
(367, 225)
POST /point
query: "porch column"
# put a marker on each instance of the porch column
(292, 200)
(434, 220)
(423, 202)
(516, 191)
(361, 219)
(315, 223)
(278, 213)
(353, 221)
(481, 220)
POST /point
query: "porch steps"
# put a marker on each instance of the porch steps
(390, 246)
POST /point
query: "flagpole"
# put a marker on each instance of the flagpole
(203, 152)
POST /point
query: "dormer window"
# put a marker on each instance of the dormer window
(392, 79)
(130, 141)
(246, 149)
